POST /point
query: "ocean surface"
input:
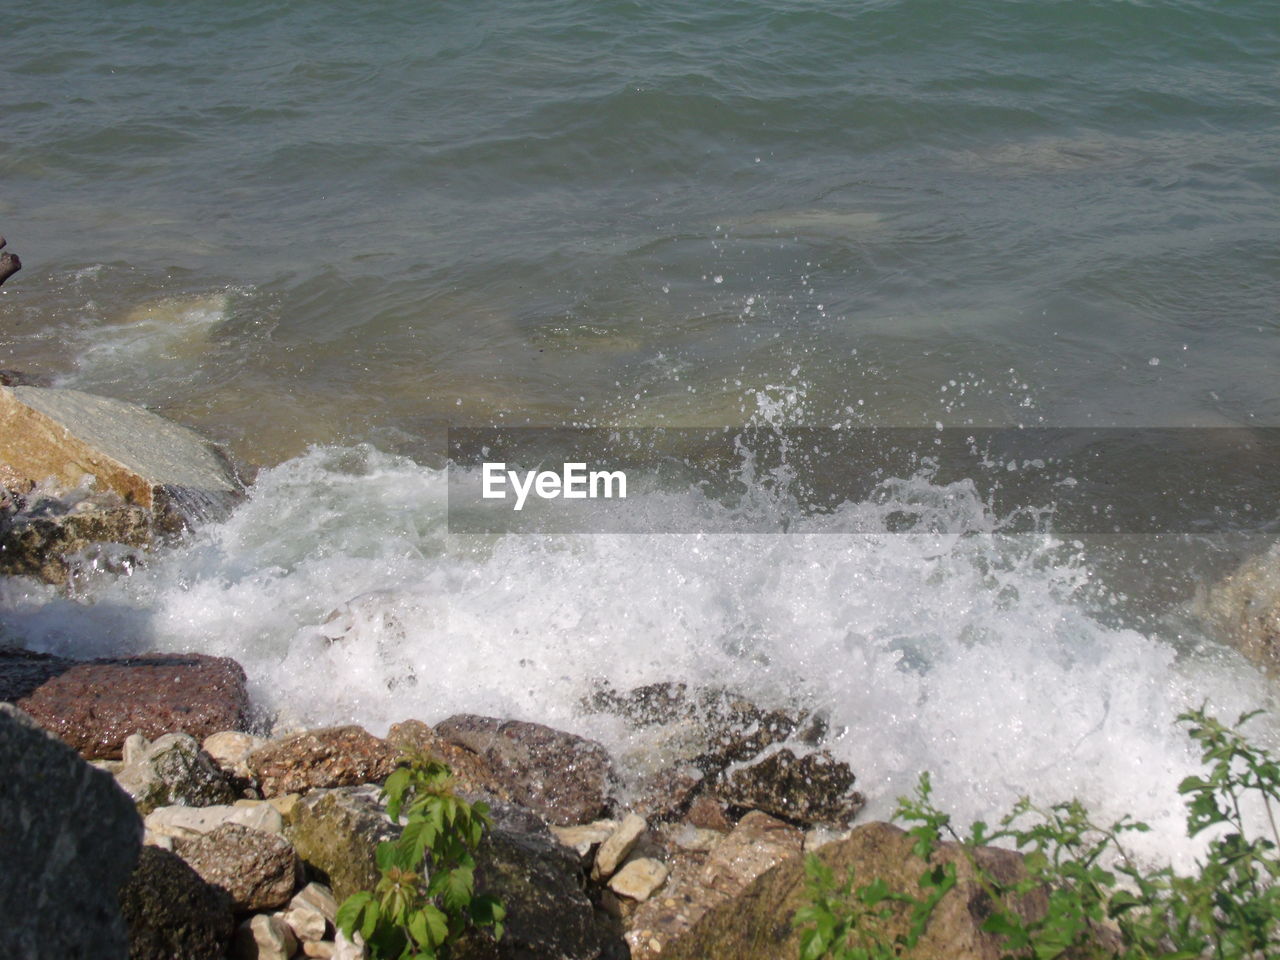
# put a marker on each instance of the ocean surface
(325, 232)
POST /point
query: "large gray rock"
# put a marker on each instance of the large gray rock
(69, 838)
(172, 913)
(563, 778)
(75, 438)
(172, 771)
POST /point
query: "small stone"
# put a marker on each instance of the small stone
(688, 837)
(620, 843)
(585, 837)
(344, 949)
(263, 937)
(318, 897)
(230, 749)
(638, 879)
(324, 949)
(307, 923)
(259, 870)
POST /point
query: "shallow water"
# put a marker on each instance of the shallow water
(324, 235)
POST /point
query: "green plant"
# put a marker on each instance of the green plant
(1097, 900)
(426, 897)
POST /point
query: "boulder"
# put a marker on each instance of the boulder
(336, 833)
(69, 838)
(94, 705)
(259, 870)
(564, 778)
(808, 790)
(185, 823)
(172, 771)
(321, 759)
(70, 439)
(756, 923)
(171, 912)
(1244, 609)
(757, 843)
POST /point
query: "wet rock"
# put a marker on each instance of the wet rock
(585, 839)
(263, 938)
(755, 923)
(230, 750)
(24, 671)
(69, 838)
(1244, 609)
(184, 823)
(707, 813)
(19, 378)
(756, 844)
(669, 793)
(471, 774)
(808, 790)
(322, 759)
(75, 438)
(171, 912)
(336, 833)
(259, 870)
(564, 778)
(639, 879)
(49, 538)
(173, 771)
(619, 845)
(94, 705)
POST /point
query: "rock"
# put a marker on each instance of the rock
(808, 790)
(687, 837)
(755, 924)
(619, 845)
(707, 813)
(19, 378)
(24, 671)
(471, 774)
(668, 794)
(564, 778)
(757, 843)
(306, 923)
(174, 771)
(638, 879)
(94, 705)
(318, 897)
(69, 838)
(585, 838)
(74, 438)
(263, 938)
(1244, 609)
(171, 912)
(189, 822)
(259, 870)
(230, 750)
(49, 538)
(336, 833)
(322, 759)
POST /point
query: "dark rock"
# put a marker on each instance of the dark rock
(17, 378)
(756, 922)
(69, 838)
(564, 778)
(172, 913)
(172, 771)
(337, 832)
(23, 671)
(49, 539)
(669, 793)
(95, 705)
(809, 790)
(322, 759)
(259, 870)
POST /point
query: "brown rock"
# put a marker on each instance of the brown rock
(756, 844)
(260, 870)
(808, 790)
(670, 792)
(562, 777)
(471, 774)
(320, 759)
(756, 923)
(707, 813)
(95, 705)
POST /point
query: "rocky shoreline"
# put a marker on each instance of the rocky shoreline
(149, 811)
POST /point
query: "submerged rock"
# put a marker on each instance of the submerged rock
(75, 438)
(171, 912)
(321, 759)
(809, 790)
(172, 771)
(69, 838)
(756, 922)
(48, 538)
(96, 704)
(564, 778)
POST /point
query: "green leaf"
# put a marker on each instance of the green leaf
(348, 915)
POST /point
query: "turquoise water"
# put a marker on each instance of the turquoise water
(323, 232)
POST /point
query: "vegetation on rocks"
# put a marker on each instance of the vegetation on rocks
(426, 898)
(1082, 894)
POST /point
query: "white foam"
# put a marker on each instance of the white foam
(964, 653)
